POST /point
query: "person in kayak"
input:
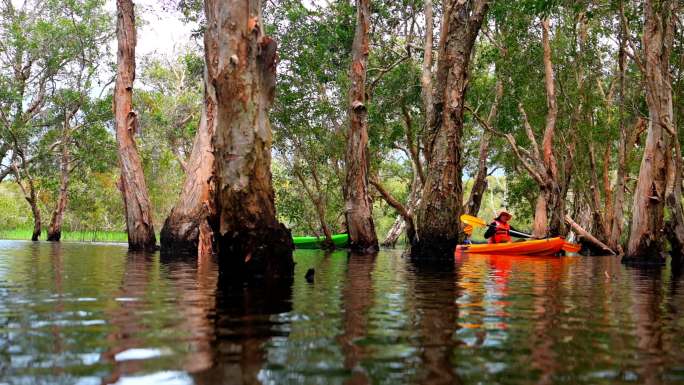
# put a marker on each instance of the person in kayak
(499, 231)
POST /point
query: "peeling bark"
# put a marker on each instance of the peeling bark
(439, 228)
(55, 227)
(645, 240)
(139, 224)
(187, 229)
(241, 67)
(358, 205)
(426, 78)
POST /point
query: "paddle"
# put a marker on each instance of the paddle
(478, 222)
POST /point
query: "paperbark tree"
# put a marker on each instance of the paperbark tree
(30, 195)
(472, 206)
(358, 206)
(187, 229)
(441, 204)
(540, 162)
(55, 227)
(646, 240)
(241, 65)
(426, 76)
(623, 145)
(132, 183)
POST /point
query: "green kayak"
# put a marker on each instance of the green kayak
(340, 240)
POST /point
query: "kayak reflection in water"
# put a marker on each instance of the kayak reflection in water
(500, 230)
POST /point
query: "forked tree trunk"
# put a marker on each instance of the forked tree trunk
(400, 223)
(645, 240)
(187, 230)
(358, 206)
(438, 224)
(241, 65)
(132, 183)
(318, 200)
(55, 227)
(480, 182)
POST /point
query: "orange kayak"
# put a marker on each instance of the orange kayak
(541, 247)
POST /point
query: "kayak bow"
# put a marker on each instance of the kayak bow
(340, 241)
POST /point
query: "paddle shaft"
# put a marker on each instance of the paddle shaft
(518, 233)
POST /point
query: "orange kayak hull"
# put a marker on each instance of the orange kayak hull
(541, 247)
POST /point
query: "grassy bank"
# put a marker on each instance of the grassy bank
(80, 236)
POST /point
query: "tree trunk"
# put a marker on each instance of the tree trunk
(439, 228)
(30, 196)
(645, 240)
(403, 211)
(132, 183)
(557, 205)
(623, 147)
(426, 78)
(55, 228)
(319, 205)
(400, 224)
(196, 208)
(480, 182)
(241, 65)
(358, 205)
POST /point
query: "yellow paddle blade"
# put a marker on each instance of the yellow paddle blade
(473, 221)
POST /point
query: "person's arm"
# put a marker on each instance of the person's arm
(491, 230)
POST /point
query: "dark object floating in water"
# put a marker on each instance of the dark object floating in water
(310, 275)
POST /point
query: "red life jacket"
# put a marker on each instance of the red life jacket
(501, 234)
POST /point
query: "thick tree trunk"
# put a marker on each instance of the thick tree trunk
(132, 183)
(358, 205)
(196, 207)
(480, 182)
(241, 65)
(674, 229)
(645, 240)
(557, 204)
(426, 78)
(55, 227)
(439, 228)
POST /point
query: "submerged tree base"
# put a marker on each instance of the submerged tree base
(644, 261)
(181, 238)
(260, 253)
(54, 237)
(434, 249)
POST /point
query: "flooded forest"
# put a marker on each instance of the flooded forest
(341, 192)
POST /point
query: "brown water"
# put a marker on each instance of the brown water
(92, 314)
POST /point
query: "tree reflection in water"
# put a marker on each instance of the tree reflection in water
(244, 319)
(435, 291)
(357, 296)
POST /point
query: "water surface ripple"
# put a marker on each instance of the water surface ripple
(76, 313)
